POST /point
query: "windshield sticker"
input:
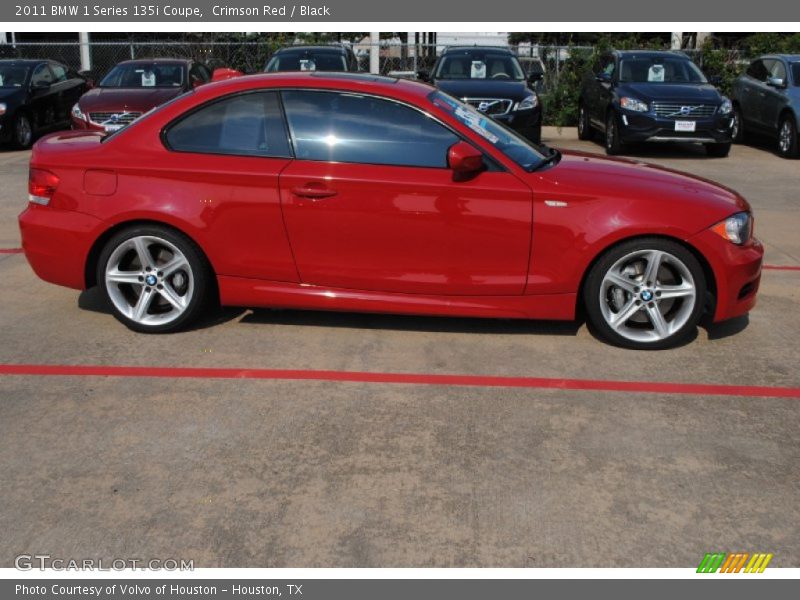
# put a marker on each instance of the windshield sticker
(478, 70)
(476, 123)
(656, 74)
(148, 78)
(308, 65)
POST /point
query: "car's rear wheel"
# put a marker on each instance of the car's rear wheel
(647, 293)
(23, 131)
(787, 137)
(613, 142)
(718, 150)
(584, 127)
(155, 279)
(737, 128)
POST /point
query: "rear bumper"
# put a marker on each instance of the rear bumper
(737, 273)
(57, 242)
(644, 127)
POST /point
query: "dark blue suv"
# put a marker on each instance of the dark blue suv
(766, 100)
(653, 96)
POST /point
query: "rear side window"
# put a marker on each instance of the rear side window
(352, 128)
(246, 125)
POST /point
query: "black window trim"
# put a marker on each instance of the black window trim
(199, 107)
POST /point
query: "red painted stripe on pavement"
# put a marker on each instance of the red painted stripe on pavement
(781, 267)
(10, 250)
(404, 378)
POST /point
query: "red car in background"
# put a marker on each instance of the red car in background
(134, 87)
(365, 193)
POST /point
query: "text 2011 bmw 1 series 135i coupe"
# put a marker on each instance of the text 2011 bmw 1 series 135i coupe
(362, 193)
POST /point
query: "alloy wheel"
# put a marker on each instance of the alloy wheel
(24, 132)
(647, 295)
(149, 280)
(785, 136)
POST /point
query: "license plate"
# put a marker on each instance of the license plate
(110, 128)
(685, 125)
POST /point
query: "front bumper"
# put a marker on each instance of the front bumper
(647, 127)
(737, 272)
(526, 122)
(57, 242)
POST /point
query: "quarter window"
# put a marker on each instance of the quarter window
(353, 128)
(245, 125)
(758, 71)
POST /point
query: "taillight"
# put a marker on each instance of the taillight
(41, 186)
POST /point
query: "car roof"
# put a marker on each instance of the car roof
(149, 61)
(786, 57)
(652, 53)
(316, 48)
(25, 61)
(477, 47)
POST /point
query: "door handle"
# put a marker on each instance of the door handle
(313, 192)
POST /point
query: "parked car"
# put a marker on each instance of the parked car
(766, 100)
(132, 88)
(36, 97)
(358, 192)
(492, 80)
(313, 58)
(648, 96)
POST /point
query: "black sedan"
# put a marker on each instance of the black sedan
(36, 96)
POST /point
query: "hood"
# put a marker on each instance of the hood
(692, 202)
(484, 88)
(677, 92)
(126, 99)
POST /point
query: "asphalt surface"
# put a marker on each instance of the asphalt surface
(278, 473)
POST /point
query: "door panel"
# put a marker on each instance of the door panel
(407, 229)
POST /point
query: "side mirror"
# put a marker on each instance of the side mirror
(423, 75)
(225, 73)
(89, 77)
(603, 77)
(465, 160)
(776, 82)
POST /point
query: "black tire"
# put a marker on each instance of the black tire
(612, 140)
(200, 273)
(584, 126)
(737, 129)
(718, 150)
(788, 148)
(594, 285)
(22, 133)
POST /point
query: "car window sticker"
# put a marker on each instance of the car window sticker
(308, 65)
(656, 74)
(148, 78)
(478, 69)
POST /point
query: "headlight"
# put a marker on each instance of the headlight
(528, 102)
(726, 107)
(633, 104)
(3, 108)
(76, 112)
(736, 228)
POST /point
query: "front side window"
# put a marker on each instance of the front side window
(504, 139)
(245, 125)
(41, 76)
(757, 70)
(354, 128)
(479, 64)
(144, 75)
(777, 70)
(657, 69)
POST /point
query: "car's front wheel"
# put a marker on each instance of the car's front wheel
(737, 128)
(787, 137)
(584, 127)
(613, 141)
(23, 131)
(155, 279)
(647, 293)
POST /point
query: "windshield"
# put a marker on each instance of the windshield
(796, 73)
(13, 76)
(508, 142)
(307, 61)
(479, 64)
(659, 69)
(144, 75)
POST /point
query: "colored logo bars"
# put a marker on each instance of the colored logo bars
(734, 563)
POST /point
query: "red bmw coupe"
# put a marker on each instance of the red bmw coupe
(356, 192)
